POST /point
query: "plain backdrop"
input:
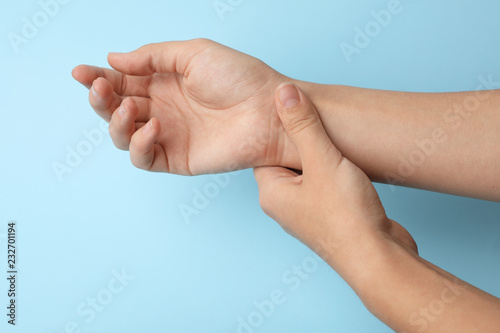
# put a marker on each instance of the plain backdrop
(103, 218)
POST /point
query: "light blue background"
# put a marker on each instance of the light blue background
(200, 277)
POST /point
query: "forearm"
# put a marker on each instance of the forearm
(446, 142)
(410, 294)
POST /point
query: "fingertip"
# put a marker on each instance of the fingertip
(288, 95)
(150, 131)
(112, 56)
(130, 106)
(303, 125)
(75, 72)
(155, 124)
(144, 60)
(122, 125)
(152, 127)
(127, 112)
(78, 73)
(101, 98)
(119, 62)
(142, 145)
(95, 91)
(101, 87)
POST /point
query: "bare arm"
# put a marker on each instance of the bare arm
(445, 142)
(333, 208)
(410, 294)
(221, 102)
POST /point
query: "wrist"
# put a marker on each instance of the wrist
(323, 97)
(365, 259)
(283, 151)
(326, 98)
(386, 259)
(355, 258)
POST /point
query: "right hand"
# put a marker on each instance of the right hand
(205, 108)
(332, 199)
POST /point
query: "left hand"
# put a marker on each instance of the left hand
(208, 108)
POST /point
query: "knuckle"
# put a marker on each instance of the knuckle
(298, 122)
(201, 41)
(148, 46)
(129, 103)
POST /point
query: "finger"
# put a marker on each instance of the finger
(122, 84)
(167, 57)
(122, 125)
(104, 101)
(144, 153)
(304, 128)
(270, 176)
(275, 185)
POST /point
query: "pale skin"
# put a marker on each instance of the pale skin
(198, 107)
(333, 208)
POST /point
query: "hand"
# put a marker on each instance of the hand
(332, 198)
(208, 108)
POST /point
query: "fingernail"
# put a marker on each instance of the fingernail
(289, 95)
(148, 127)
(116, 53)
(94, 92)
(122, 110)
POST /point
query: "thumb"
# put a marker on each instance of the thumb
(275, 191)
(166, 57)
(304, 128)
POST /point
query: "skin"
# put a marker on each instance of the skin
(432, 141)
(211, 110)
(198, 107)
(333, 208)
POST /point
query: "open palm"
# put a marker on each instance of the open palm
(189, 107)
